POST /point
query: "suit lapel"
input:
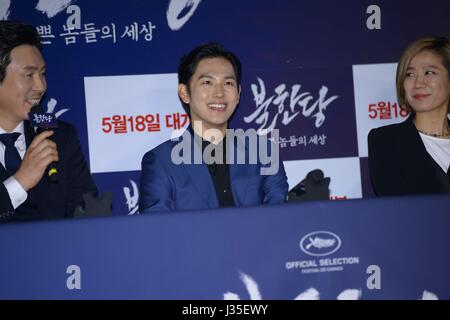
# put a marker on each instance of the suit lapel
(416, 157)
(202, 181)
(238, 182)
(239, 173)
(199, 174)
(29, 133)
(29, 136)
(2, 173)
(35, 194)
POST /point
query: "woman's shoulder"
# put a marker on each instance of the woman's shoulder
(391, 129)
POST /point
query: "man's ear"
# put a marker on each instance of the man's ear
(184, 93)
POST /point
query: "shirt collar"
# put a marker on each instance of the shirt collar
(20, 129)
(20, 142)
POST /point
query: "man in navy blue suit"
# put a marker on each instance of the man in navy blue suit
(26, 192)
(208, 167)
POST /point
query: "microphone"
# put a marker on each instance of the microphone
(41, 122)
(315, 186)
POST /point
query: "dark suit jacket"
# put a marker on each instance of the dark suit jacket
(399, 164)
(53, 200)
(166, 186)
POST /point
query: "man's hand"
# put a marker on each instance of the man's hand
(38, 156)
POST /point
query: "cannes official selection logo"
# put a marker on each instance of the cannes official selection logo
(320, 243)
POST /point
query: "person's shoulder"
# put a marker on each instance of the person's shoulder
(158, 150)
(64, 132)
(65, 127)
(390, 136)
(162, 151)
(246, 140)
(390, 129)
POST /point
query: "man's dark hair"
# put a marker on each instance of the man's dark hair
(14, 34)
(188, 63)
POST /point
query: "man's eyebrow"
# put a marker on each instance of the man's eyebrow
(207, 75)
(33, 68)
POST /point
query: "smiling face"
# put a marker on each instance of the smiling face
(23, 86)
(213, 93)
(426, 84)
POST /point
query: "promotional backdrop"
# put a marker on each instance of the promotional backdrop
(322, 72)
(380, 249)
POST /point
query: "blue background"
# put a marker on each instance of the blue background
(294, 42)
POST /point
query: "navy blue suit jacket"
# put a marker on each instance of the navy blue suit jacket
(53, 200)
(166, 186)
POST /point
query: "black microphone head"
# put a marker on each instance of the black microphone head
(39, 119)
(36, 108)
(316, 175)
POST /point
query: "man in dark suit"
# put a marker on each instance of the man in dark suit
(201, 170)
(26, 192)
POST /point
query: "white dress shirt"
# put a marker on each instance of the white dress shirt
(438, 149)
(16, 192)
